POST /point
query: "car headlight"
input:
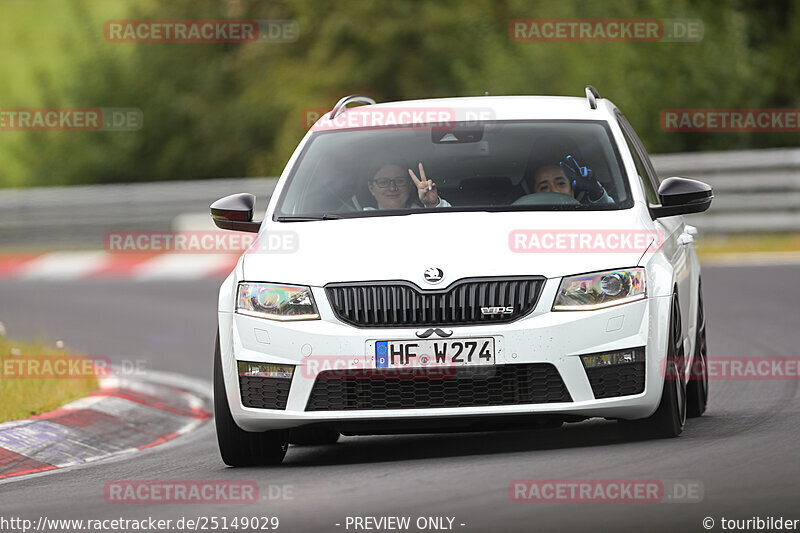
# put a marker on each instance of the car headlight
(276, 302)
(601, 289)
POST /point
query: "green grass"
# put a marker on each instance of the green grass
(21, 397)
(715, 245)
(41, 39)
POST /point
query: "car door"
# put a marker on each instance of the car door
(678, 237)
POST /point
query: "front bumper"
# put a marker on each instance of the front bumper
(556, 338)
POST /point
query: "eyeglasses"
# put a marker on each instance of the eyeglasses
(385, 183)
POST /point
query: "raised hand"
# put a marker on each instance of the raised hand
(582, 179)
(426, 189)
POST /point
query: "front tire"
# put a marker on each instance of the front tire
(237, 446)
(697, 389)
(670, 417)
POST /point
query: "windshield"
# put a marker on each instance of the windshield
(490, 166)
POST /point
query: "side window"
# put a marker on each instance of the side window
(641, 168)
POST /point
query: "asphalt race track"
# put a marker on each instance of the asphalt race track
(744, 451)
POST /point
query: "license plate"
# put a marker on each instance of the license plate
(434, 353)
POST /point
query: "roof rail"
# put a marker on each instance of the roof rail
(593, 96)
(341, 105)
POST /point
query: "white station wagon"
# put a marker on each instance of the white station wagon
(460, 264)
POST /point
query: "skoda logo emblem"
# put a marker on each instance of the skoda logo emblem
(433, 275)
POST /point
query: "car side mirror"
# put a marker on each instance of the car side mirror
(682, 196)
(235, 212)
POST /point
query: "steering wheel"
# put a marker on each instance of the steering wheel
(346, 204)
(546, 198)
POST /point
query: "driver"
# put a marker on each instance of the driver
(570, 178)
(392, 185)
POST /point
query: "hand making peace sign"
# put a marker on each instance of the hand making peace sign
(426, 189)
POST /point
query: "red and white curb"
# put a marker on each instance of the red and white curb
(102, 265)
(125, 416)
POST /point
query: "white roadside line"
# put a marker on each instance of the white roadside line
(178, 267)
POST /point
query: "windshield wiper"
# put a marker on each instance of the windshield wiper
(326, 216)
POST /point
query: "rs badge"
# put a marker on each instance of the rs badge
(491, 311)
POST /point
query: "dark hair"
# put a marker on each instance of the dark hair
(376, 166)
(546, 151)
(535, 170)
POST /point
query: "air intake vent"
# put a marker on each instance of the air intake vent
(518, 384)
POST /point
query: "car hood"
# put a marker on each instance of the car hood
(461, 244)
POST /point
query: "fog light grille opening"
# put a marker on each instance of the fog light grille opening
(615, 374)
(263, 385)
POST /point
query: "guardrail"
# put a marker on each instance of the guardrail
(80, 216)
(755, 191)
